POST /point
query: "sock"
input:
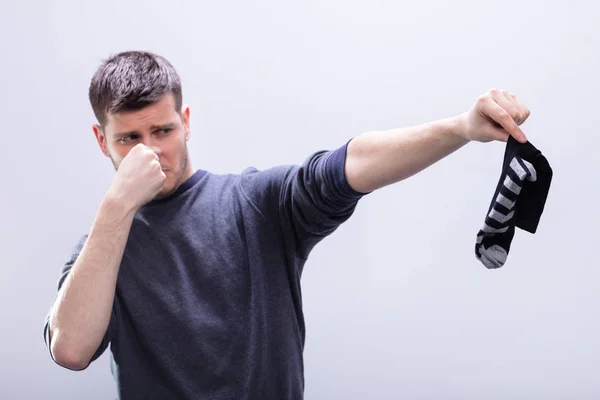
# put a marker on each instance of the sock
(518, 202)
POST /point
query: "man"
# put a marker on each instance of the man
(193, 278)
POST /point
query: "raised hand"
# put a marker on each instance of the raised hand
(139, 177)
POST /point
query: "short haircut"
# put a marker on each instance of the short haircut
(130, 81)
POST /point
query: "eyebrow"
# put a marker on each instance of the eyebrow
(169, 125)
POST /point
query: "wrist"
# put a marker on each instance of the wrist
(118, 204)
(457, 126)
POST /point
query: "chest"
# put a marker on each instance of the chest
(187, 277)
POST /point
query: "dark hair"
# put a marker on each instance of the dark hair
(130, 81)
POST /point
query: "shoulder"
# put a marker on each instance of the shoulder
(252, 176)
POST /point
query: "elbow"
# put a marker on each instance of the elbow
(67, 356)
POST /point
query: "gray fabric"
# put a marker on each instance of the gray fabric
(504, 201)
(494, 256)
(518, 201)
(512, 185)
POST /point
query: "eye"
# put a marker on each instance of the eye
(164, 131)
(126, 139)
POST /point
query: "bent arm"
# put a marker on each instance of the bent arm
(377, 159)
(80, 315)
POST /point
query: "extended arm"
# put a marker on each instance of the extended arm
(378, 159)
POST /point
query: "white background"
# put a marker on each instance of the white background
(396, 304)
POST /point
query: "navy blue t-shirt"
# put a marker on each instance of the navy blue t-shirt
(208, 302)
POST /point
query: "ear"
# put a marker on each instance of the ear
(185, 117)
(101, 138)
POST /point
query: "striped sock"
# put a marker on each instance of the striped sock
(518, 202)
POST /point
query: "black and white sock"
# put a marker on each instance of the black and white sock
(518, 202)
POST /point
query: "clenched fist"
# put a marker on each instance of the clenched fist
(495, 115)
(139, 177)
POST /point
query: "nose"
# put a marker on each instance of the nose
(147, 141)
(156, 150)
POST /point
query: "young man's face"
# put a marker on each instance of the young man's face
(158, 126)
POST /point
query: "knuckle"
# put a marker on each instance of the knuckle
(520, 118)
(139, 149)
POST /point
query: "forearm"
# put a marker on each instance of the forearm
(377, 159)
(82, 310)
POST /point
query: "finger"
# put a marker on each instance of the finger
(518, 111)
(505, 100)
(496, 113)
(524, 109)
(508, 96)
